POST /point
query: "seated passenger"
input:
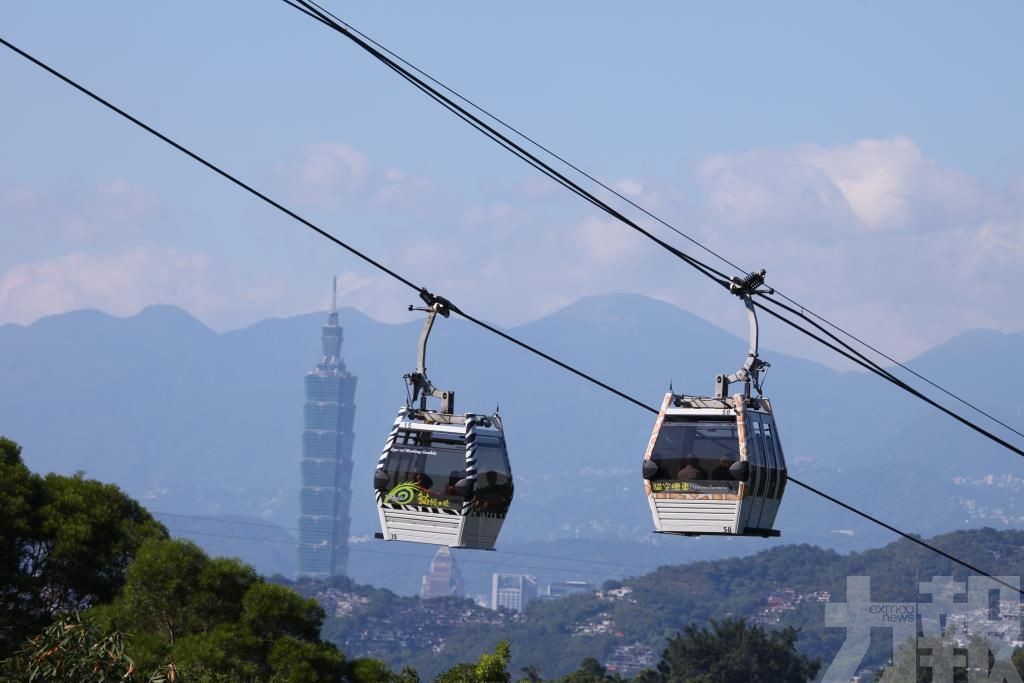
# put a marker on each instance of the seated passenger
(422, 481)
(493, 497)
(453, 479)
(691, 469)
(721, 473)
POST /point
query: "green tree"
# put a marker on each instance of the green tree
(590, 671)
(218, 618)
(532, 674)
(22, 494)
(368, 670)
(490, 668)
(730, 651)
(65, 545)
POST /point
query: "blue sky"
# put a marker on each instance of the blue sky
(869, 155)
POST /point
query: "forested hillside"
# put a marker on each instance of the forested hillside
(626, 624)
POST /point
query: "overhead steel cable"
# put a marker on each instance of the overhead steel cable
(312, 10)
(252, 190)
(892, 360)
(650, 214)
(882, 372)
(308, 224)
(510, 145)
(505, 553)
(523, 135)
(560, 570)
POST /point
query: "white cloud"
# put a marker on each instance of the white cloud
(870, 185)
(330, 173)
(629, 187)
(113, 209)
(606, 242)
(121, 283)
(870, 233)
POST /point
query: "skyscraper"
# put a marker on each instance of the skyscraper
(443, 580)
(512, 591)
(327, 458)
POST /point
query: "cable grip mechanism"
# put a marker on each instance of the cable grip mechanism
(418, 380)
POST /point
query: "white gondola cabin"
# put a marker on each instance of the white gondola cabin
(714, 465)
(442, 478)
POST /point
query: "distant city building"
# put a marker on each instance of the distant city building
(327, 458)
(443, 580)
(512, 591)
(560, 589)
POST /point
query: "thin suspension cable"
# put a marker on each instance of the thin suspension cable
(889, 358)
(310, 9)
(650, 214)
(889, 377)
(380, 266)
(504, 141)
(184, 532)
(291, 214)
(911, 538)
(526, 137)
(276, 527)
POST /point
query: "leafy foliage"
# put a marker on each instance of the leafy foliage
(65, 544)
(71, 649)
(731, 651)
(218, 617)
(71, 544)
(491, 668)
(590, 671)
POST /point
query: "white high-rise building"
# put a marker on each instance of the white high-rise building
(443, 580)
(512, 591)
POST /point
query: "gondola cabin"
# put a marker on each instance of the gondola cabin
(715, 466)
(444, 479)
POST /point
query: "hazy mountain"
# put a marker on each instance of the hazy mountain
(199, 423)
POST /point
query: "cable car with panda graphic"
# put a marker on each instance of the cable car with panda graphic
(714, 464)
(442, 478)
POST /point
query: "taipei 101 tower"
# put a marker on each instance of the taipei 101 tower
(327, 458)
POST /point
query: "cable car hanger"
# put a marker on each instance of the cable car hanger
(752, 368)
(421, 384)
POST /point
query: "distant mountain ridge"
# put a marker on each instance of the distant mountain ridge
(197, 422)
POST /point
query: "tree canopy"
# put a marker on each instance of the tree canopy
(65, 544)
(731, 651)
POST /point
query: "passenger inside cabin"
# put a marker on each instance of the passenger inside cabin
(721, 473)
(493, 497)
(422, 481)
(453, 479)
(691, 469)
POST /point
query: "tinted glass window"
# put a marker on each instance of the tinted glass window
(429, 464)
(494, 480)
(773, 441)
(699, 451)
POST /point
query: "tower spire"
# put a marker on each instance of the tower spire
(334, 295)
